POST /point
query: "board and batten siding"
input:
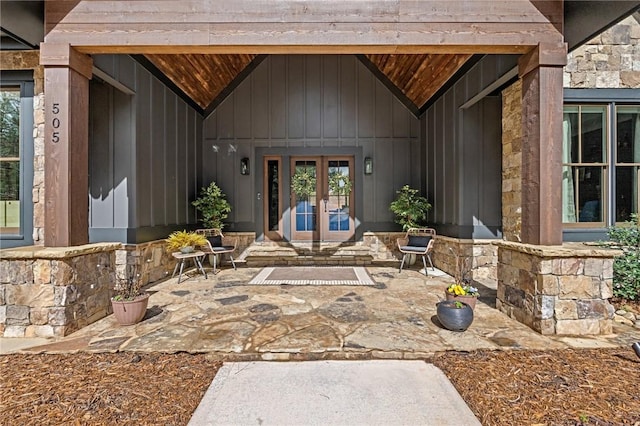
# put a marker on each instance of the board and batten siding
(462, 154)
(145, 150)
(303, 104)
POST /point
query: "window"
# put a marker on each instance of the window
(627, 188)
(10, 160)
(16, 158)
(584, 163)
(600, 164)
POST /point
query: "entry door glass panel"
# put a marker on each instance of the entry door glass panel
(323, 211)
(306, 206)
(339, 191)
(272, 199)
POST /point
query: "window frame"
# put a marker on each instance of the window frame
(23, 80)
(613, 97)
(604, 166)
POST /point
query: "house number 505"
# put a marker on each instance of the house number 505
(55, 123)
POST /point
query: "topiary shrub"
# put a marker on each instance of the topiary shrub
(626, 268)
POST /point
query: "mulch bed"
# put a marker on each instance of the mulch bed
(560, 387)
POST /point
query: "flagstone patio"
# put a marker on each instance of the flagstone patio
(394, 319)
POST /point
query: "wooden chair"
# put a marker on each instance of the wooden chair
(218, 244)
(418, 241)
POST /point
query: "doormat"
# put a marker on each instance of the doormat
(313, 275)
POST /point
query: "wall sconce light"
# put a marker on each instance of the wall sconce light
(244, 166)
(368, 165)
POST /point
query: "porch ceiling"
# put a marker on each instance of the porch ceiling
(205, 78)
(203, 46)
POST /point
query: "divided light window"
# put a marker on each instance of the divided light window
(10, 212)
(627, 161)
(584, 163)
(597, 149)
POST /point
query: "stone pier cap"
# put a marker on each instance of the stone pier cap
(565, 250)
(40, 252)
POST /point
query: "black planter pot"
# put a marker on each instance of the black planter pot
(454, 318)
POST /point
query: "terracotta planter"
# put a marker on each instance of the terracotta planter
(453, 318)
(129, 312)
(469, 300)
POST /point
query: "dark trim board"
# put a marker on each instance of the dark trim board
(471, 62)
(234, 84)
(136, 235)
(468, 231)
(585, 235)
(602, 95)
(415, 110)
(149, 66)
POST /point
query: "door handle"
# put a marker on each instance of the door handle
(326, 200)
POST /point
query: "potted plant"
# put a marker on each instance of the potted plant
(454, 315)
(129, 302)
(213, 205)
(461, 289)
(185, 241)
(410, 208)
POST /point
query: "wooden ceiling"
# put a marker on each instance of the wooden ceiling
(204, 78)
(418, 77)
(201, 77)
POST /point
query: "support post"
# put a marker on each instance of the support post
(67, 75)
(542, 101)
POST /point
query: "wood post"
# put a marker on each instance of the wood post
(67, 75)
(542, 101)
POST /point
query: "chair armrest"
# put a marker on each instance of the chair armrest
(402, 241)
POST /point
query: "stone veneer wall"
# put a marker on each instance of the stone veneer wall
(482, 256)
(609, 60)
(151, 260)
(557, 290)
(383, 245)
(54, 291)
(512, 162)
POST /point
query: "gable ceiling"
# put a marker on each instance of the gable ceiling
(203, 78)
(206, 79)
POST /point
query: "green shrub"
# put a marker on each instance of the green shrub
(410, 208)
(213, 206)
(626, 268)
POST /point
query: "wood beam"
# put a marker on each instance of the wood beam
(338, 38)
(311, 26)
(66, 146)
(553, 10)
(55, 11)
(541, 148)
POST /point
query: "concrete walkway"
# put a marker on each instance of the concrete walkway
(332, 393)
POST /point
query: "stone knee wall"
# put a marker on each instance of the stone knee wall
(557, 290)
(50, 292)
(482, 256)
(383, 245)
(151, 260)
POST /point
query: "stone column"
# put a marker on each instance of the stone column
(67, 75)
(557, 290)
(541, 75)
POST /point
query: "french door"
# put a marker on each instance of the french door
(322, 198)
